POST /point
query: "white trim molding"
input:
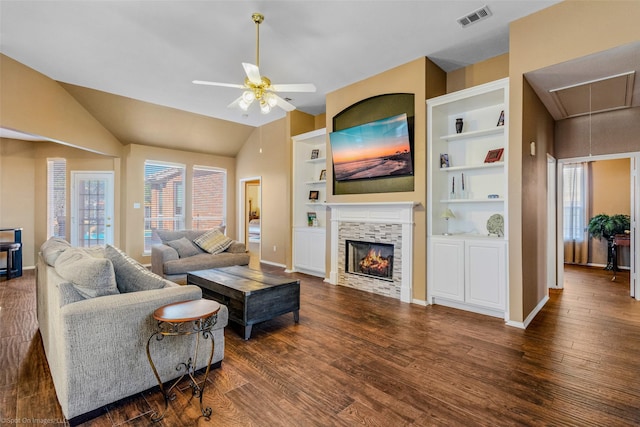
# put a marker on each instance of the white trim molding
(400, 213)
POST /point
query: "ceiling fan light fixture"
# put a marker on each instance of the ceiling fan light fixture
(244, 105)
(272, 101)
(265, 108)
(248, 96)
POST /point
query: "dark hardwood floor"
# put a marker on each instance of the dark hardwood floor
(360, 359)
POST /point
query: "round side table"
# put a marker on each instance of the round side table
(185, 318)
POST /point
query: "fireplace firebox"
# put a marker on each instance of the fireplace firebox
(369, 259)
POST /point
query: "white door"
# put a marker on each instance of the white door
(634, 280)
(91, 208)
(447, 269)
(485, 274)
(551, 223)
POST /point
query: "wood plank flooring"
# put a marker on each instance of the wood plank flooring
(360, 359)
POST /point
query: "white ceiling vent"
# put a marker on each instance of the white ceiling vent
(475, 16)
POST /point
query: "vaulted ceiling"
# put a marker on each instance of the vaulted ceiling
(151, 51)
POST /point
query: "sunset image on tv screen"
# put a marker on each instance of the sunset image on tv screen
(372, 150)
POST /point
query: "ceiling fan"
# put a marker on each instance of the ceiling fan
(259, 88)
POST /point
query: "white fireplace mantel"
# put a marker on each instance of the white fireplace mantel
(377, 213)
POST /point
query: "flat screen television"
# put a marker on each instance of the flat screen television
(378, 149)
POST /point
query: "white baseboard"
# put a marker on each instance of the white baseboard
(419, 302)
(531, 316)
(275, 264)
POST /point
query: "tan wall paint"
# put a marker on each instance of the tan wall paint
(537, 126)
(273, 165)
(603, 133)
(33, 103)
(23, 171)
(610, 194)
(131, 229)
(17, 202)
(412, 77)
(476, 74)
(562, 32)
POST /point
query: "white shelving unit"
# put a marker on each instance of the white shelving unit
(467, 264)
(309, 241)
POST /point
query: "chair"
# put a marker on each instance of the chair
(11, 248)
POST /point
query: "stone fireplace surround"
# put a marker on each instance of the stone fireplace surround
(385, 222)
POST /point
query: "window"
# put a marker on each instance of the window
(57, 198)
(163, 200)
(574, 198)
(209, 197)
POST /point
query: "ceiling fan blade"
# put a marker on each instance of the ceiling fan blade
(296, 87)
(202, 82)
(253, 73)
(284, 104)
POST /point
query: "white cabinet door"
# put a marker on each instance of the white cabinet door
(485, 274)
(309, 249)
(448, 269)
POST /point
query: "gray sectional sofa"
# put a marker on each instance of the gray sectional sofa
(95, 318)
(178, 255)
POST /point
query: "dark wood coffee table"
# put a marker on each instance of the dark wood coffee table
(250, 295)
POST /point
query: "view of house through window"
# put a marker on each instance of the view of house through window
(163, 199)
(208, 197)
(56, 198)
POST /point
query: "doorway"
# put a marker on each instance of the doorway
(597, 253)
(92, 208)
(250, 211)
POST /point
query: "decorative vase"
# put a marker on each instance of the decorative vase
(459, 125)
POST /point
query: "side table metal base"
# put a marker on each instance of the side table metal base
(180, 327)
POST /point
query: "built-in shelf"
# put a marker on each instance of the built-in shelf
(454, 201)
(466, 264)
(318, 160)
(470, 167)
(309, 242)
(473, 134)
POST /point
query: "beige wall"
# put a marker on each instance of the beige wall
(35, 104)
(562, 32)
(425, 80)
(537, 126)
(476, 74)
(17, 201)
(610, 194)
(267, 154)
(131, 230)
(23, 183)
(603, 133)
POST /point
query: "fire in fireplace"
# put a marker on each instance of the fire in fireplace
(369, 259)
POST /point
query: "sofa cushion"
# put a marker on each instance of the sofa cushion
(204, 261)
(184, 247)
(131, 276)
(213, 241)
(170, 235)
(69, 294)
(52, 248)
(91, 277)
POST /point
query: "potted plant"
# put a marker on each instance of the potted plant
(607, 226)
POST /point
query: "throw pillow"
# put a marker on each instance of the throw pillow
(131, 276)
(91, 277)
(52, 248)
(184, 247)
(213, 241)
